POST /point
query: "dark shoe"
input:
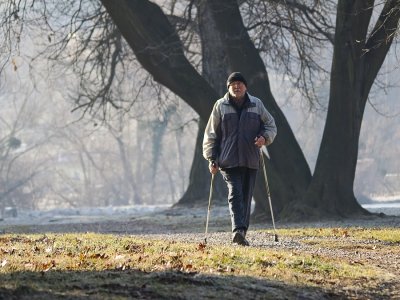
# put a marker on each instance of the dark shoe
(239, 238)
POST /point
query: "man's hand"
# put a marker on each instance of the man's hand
(259, 141)
(213, 167)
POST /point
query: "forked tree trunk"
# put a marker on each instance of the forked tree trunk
(331, 191)
(353, 72)
(159, 50)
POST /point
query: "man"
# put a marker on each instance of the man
(238, 126)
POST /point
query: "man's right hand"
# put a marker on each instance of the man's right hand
(213, 167)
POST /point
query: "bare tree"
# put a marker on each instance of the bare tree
(358, 56)
(17, 168)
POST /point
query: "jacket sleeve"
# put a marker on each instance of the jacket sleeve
(212, 134)
(268, 128)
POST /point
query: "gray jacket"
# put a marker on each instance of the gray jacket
(229, 138)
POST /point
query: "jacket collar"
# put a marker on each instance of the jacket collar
(250, 101)
(226, 98)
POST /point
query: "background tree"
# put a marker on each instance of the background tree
(359, 53)
(14, 176)
(79, 163)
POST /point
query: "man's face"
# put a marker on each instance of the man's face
(237, 89)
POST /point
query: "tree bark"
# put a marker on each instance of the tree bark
(199, 179)
(356, 62)
(215, 72)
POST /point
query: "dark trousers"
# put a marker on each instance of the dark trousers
(240, 182)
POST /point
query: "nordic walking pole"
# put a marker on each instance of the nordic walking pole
(269, 196)
(209, 207)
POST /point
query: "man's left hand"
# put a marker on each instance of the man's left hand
(259, 141)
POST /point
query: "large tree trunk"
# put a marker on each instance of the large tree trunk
(214, 71)
(288, 168)
(199, 179)
(331, 193)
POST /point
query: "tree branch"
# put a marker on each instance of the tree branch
(379, 42)
(160, 51)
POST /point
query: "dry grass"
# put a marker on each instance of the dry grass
(387, 234)
(102, 266)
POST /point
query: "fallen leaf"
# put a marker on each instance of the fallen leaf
(29, 266)
(201, 246)
(82, 256)
(99, 255)
(47, 267)
(6, 251)
(230, 269)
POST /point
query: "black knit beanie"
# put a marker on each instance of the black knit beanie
(235, 76)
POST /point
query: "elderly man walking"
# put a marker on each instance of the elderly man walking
(238, 126)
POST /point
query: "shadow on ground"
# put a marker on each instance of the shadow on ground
(133, 284)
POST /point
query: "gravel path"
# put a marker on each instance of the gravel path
(188, 225)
